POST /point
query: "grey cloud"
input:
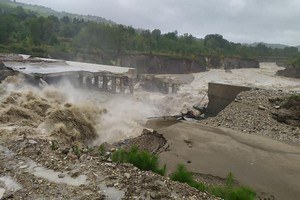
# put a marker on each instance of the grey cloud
(273, 21)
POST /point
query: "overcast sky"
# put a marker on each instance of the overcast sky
(271, 21)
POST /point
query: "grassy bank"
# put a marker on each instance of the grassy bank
(149, 162)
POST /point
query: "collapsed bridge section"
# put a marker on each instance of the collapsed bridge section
(108, 78)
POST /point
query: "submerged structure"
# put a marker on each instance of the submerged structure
(107, 78)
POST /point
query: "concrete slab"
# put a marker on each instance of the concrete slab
(50, 66)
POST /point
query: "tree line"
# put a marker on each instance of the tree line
(23, 31)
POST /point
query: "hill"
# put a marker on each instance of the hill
(272, 46)
(45, 12)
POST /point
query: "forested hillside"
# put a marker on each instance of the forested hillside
(28, 32)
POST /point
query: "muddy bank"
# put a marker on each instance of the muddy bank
(253, 159)
(290, 71)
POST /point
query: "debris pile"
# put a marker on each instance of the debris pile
(252, 112)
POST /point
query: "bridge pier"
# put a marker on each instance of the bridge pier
(104, 83)
(80, 80)
(113, 84)
(131, 85)
(166, 88)
(122, 86)
(96, 81)
(174, 88)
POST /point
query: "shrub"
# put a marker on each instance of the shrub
(54, 145)
(141, 159)
(101, 150)
(227, 192)
(182, 175)
(294, 97)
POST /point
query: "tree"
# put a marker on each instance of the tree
(215, 41)
(36, 30)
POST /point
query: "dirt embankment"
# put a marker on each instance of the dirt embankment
(290, 112)
(158, 64)
(238, 63)
(231, 63)
(290, 71)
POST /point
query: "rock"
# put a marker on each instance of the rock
(74, 173)
(65, 151)
(127, 175)
(23, 166)
(127, 165)
(83, 157)
(32, 142)
(61, 175)
(153, 195)
(261, 107)
(193, 198)
(147, 131)
(110, 165)
(160, 184)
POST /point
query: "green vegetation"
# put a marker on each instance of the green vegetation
(226, 192)
(141, 159)
(294, 97)
(295, 61)
(182, 175)
(76, 150)
(54, 145)
(229, 192)
(149, 162)
(23, 30)
(101, 150)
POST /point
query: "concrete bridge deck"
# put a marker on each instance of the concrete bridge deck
(103, 77)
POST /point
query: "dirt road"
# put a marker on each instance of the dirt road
(259, 162)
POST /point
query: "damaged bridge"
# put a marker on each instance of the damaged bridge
(107, 78)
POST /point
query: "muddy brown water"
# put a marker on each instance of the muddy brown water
(256, 161)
